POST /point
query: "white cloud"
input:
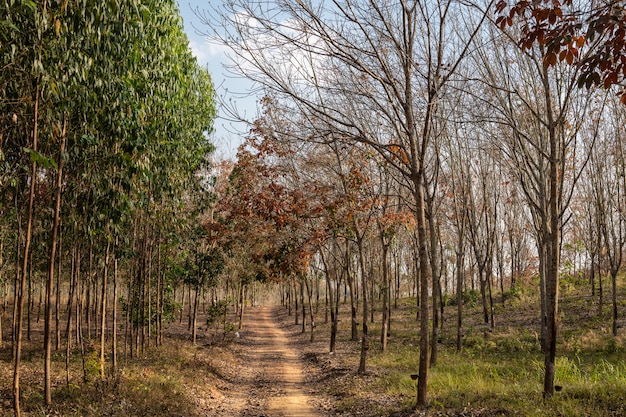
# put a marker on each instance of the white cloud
(199, 50)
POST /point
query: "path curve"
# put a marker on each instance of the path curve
(276, 382)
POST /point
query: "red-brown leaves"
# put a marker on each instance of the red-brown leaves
(599, 32)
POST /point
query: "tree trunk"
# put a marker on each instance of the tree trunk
(553, 239)
(459, 294)
(309, 292)
(386, 291)
(295, 298)
(18, 277)
(242, 303)
(70, 307)
(614, 272)
(354, 332)
(489, 276)
(103, 309)
(303, 304)
(434, 268)
(483, 291)
(29, 300)
(27, 242)
(194, 326)
(422, 381)
(364, 335)
(114, 312)
(50, 280)
(57, 308)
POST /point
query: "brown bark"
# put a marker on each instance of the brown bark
(24, 270)
(103, 309)
(51, 267)
(364, 328)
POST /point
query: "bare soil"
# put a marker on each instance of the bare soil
(268, 379)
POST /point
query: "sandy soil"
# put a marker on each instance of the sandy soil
(269, 380)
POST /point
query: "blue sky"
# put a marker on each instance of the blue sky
(228, 135)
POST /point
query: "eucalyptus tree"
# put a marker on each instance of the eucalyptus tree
(116, 85)
(28, 82)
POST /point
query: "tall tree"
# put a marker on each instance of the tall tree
(349, 62)
(538, 105)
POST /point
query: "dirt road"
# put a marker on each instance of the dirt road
(270, 380)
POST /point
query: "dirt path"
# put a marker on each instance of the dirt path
(270, 382)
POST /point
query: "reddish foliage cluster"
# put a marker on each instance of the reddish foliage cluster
(593, 39)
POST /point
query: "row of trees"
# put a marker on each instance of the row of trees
(452, 128)
(103, 141)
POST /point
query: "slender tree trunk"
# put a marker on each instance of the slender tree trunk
(614, 272)
(88, 290)
(492, 323)
(364, 329)
(483, 291)
(18, 279)
(190, 308)
(70, 307)
(333, 299)
(434, 271)
(422, 382)
(543, 271)
(309, 292)
(57, 308)
(303, 304)
(295, 297)
(29, 225)
(103, 309)
(29, 301)
(553, 238)
(242, 302)
(459, 294)
(114, 312)
(50, 280)
(350, 279)
(194, 327)
(385, 290)
(182, 305)
(372, 293)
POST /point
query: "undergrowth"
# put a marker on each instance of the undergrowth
(500, 371)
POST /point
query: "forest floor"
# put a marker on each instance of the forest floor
(271, 368)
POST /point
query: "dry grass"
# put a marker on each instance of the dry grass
(499, 372)
(176, 379)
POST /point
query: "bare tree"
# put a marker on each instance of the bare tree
(607, 174)
(387, 61)
(538, 106)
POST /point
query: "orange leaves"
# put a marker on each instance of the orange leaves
(610, 79)
(579, 41)
(565, 31)
(549, 59)
(390, 222)
(545, 23)
(399, 153)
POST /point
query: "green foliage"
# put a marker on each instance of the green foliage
(217, 312)
(470, 298)
(91, 366)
